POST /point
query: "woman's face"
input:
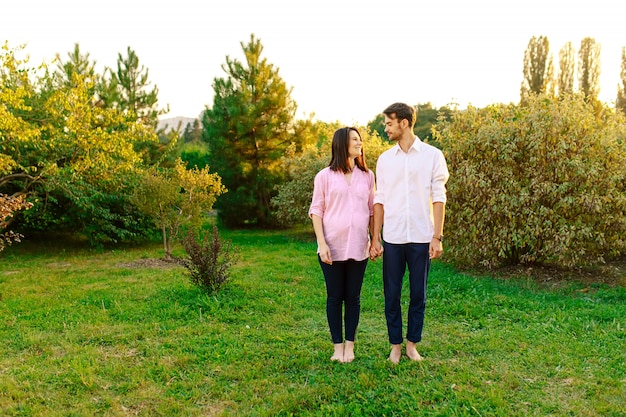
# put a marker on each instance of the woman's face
(354, 144)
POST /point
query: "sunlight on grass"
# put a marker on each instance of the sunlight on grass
(90, 332)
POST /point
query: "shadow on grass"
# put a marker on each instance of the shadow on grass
(63, 243)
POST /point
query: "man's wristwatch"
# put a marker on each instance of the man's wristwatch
(439, 238)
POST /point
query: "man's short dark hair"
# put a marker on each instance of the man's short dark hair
(401, 111)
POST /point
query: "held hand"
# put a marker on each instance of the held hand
(376, 250)
(435, 248)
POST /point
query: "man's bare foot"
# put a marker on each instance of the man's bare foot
(338, 355)
(396, 353)
(348, 352)
(411, 352)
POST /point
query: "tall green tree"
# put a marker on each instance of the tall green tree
(77, 63)
(248, 129)
(589, 69)
(567, 67)
(79, 68)
(538, 68)
(129, 90)
(133, 89)
(620, 103)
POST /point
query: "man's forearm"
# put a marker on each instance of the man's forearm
(439, 211)
(377, 222)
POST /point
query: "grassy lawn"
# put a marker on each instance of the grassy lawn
(112, 333)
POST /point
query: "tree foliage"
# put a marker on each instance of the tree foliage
(195, 155)
(620, 103)
(9, 205)
(542, 183)
(567, 68)
(129, 90)
(78, 156)
(77, 64)
(193, 132)
(248, 129)
(176, 198)
(589, 68)
(538, 68)
(133, 91)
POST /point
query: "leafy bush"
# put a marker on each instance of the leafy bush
(294, 197)
(542, 183)
(8, 206)
(177, 197)
(194, 156)
(208, 263)
(75, 159)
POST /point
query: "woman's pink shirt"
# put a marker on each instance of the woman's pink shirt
(345, 209)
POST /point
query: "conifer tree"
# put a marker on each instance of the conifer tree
(248, 129)
(129, 90)
(132, 89)
(76, 64)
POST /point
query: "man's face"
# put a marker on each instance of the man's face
(392, 128)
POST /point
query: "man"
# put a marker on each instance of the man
(410, 202)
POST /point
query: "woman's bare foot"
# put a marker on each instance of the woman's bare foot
(396, 353)
(338, 355)
(411, 352)
(348, 352)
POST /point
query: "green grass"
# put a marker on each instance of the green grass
(88, 332)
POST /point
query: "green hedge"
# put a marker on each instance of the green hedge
(543, 183)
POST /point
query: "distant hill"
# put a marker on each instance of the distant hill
(175, 123)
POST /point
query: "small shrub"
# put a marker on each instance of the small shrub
(208, 262)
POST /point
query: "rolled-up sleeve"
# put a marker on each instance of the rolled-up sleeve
(318, 201)
(439, 179)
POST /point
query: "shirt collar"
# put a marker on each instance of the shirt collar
(417, 145)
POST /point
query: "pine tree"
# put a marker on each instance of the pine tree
(132, 89)
(129, 90)
(248, 129)
(77, 64)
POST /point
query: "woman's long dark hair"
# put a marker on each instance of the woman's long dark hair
(339, 157)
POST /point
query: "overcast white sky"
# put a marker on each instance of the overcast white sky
(346, 60)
